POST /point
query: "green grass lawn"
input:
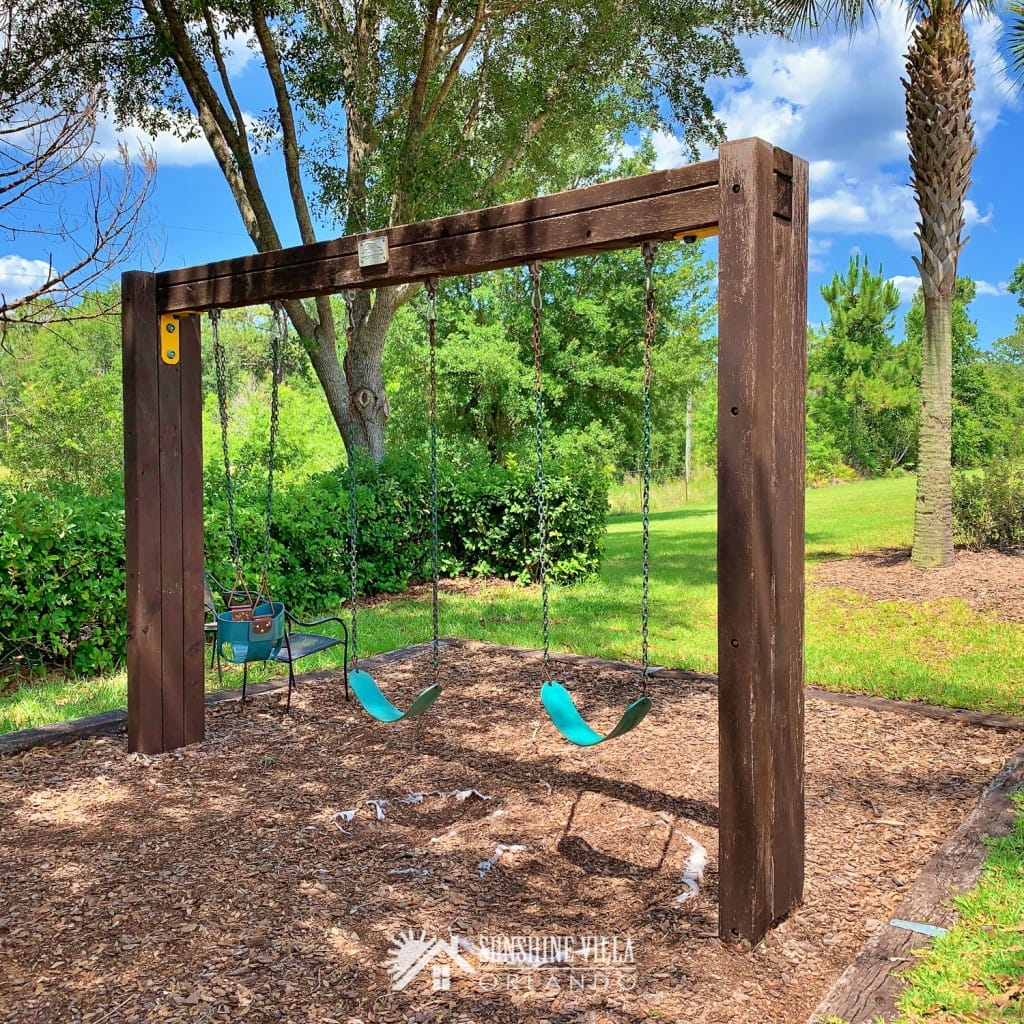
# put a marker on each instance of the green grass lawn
(942, 652)
(976, 972)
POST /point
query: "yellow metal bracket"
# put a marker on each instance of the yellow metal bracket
(170, 341)
(693, 236)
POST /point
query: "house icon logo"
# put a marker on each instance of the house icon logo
(410, 954)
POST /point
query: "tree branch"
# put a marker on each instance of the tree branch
(286, 117)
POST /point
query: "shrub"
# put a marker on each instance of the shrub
(487, 519)
(490, 524)
(62, 579)
(988, 508)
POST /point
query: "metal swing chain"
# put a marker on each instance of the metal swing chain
(432, 338)
(222, 403)
(649, 251)
(350, 328)
(278, 335)
(536, 305)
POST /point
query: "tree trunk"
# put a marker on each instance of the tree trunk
(933, 515)
(689, 443)
(939, 83)
(355, 388)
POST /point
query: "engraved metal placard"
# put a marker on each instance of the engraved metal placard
(373, 251)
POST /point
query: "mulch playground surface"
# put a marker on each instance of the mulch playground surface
(988, 581)
(229, 880)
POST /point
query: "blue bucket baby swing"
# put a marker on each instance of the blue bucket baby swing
(254, 627)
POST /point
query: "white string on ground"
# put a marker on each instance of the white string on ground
(693, 870)
(485, 865)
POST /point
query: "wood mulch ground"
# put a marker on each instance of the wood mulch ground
(219, 882)
(988, 581)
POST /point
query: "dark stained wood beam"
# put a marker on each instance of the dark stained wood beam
(163, 525)
(612, 215)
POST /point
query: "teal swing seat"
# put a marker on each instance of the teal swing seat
(359, 682)
(569, 722)
(554, 696)
(368, 693)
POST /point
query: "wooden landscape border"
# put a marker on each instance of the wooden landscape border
(754, 196)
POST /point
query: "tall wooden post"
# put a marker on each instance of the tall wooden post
(163, 524)
(762, 315)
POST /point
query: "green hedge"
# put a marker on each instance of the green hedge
(62, 555)
(62, 580)
(988, 508)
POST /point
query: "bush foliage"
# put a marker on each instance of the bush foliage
(988, 508)
(63, 578)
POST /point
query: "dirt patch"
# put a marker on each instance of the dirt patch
(988, 581)
(460, 586)
(218, 882)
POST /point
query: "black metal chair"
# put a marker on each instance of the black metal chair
(301, 645)
(296, 645)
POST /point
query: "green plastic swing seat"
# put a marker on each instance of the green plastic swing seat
(367, 692)
(569, 722)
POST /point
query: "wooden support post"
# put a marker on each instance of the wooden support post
(163, 525)
(762, 315)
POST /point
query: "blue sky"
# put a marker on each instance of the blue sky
(835, 101)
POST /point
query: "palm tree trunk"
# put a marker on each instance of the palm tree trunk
(933, 514)
(939, 84)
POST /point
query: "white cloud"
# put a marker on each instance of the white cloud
(973, 216)
(838, 101)
(994, 87)
(833, 98)
(906, 286)
(817, 246)
(668, 151)
(169, 150)
(878, 205)
(239, 51)
(19, 276)
(986, 288)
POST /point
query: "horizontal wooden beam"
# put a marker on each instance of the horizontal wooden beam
(662, 205)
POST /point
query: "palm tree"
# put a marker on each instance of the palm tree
(940, 130)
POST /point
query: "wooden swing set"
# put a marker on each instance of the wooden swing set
(754, 197)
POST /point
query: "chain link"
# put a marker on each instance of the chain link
(536, 306)
(278, 336)
(353, 546)
(222, 403)
(649, 251)
(432, 337)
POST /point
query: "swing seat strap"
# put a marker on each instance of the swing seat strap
(368, 693)
(569, 722)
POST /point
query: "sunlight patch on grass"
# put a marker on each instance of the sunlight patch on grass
(942, 652)
(35, 704)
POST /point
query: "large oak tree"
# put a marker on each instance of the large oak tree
(389, 111)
